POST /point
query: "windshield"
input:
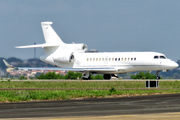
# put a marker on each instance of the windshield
(162, 57)
(156, 57)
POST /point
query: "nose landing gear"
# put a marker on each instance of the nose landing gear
(157, 74)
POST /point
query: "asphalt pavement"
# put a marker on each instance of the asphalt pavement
(93, 108)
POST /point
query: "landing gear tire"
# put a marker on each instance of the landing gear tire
(107, 76)
(158, 77)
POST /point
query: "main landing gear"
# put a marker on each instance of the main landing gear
(157, 74)
(86, 76)
(107, 76)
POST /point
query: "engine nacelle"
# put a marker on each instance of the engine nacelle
(69, 58)
(77, 47)
(74, 47)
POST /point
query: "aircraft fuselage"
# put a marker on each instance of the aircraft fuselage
(122, 61)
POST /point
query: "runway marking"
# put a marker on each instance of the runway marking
(98, 117)
(142, 116)
(172, 113)
(161, 116)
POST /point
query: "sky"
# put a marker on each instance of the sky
(105, 25)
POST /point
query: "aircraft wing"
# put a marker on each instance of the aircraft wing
(68, 69)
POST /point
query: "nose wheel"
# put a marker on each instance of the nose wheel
(157, 74)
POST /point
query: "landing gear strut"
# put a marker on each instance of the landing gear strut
(114, 75)
(157, 74)
(86, 75)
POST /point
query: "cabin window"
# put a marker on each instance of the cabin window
(118, 59)
(134, 58)
(156, 57)
(112, 59)
(128, 59)
(90, 59)
(121, 59)
(99, 59)
(102, 59)
(115, 59)
(131, 59)
(93, 59)
(87, 59)
(96, 59)
(162, 57)
(109, 59)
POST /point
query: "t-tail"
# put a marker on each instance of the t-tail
(52, 40)
(55, 49)
(50, 35)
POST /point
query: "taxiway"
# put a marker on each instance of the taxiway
(95, 108)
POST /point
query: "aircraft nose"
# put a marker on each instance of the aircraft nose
(175, 65)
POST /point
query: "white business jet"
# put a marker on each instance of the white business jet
(73, 57)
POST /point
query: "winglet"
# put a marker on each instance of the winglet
(7, 64)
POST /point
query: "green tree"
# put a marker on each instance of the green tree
(72, 75)
(40, 76)
(22, 77)
(176, 75)
(50, 75)
(142, 75)
(53, 75)
(60, 76)
(98, 77)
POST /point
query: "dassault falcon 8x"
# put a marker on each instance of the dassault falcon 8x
(73, 57)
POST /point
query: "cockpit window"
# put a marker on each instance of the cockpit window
(156, 57)
(162, 57)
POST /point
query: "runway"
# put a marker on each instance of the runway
(93, 108)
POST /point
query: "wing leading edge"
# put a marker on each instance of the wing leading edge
(68, 69)
(39, 45)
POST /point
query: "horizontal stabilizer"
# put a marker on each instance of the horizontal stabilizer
(39, 45)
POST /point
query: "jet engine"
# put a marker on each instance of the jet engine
(74, 47)
(65, 58)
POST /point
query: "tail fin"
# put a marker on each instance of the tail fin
(50, 35)
(52, 40)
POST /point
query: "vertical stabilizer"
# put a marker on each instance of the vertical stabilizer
(50, 35)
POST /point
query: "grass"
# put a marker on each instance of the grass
(86, 84)
(25, 95)
(113, 89)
